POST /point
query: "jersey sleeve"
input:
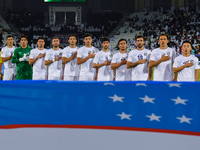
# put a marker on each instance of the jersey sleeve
(175, 65)
(96, 59)
(196, 65)
(15, 57)
(152, 57)
(130, 58)
(148, 56)
(3, 54)
(47, 56)
(114, 60)
(79, 54)
(64, 54)
(31, 55)
(173, 55)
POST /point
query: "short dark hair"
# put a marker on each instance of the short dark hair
(121, 40)
(188, 42)
(40, 38)
(55, 38)
(139, 36)
(9, 36)
(163, 34)
(105, 39)
(71, 36)
(23, 37)
(87, 35)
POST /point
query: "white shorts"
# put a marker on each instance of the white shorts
(40, 77)
(86, 78)
(54, 78)
(9, 74)
(71, 78)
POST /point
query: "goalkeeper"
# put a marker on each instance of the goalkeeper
(21, 58)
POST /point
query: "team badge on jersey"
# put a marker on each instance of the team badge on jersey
(191, 61)
(168, 53)
(145, 54)
(140, 57)
(111, 55)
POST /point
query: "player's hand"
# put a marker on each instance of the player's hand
(75, 54)
(0, 76)
(41, 55)
(187, 64)
(149, 79)
(105, 63)
(22, 59)
(165, 58)
(123, 62)
(95, 78)
(91, 55)
(27, 58)
(57, 58)
(142, 61)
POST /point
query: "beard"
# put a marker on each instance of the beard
(140, 46)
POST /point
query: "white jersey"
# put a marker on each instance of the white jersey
(55, 68)
(38, 67)
(104, 73)
(71, 68)
(163, 71)
(6, 52)
(187, 74)
(141, 71)
(87, 67)
(122, 73)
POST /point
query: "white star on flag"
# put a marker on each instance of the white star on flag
(179, 101)
(124, 116)
(153, 117)
(174, 85)
(109, 84)
(184, 119)
(116, 98)
(141, 84)
(147, 99)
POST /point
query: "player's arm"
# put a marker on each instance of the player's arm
(4, 59)
(196, 74)
(66, 60)
(187, 64)
(175, 76)
(150, 74)
(97, 70)
(80, 61)
(48, 62)
(32, 61)
(115, 65)
(15, 58)
(132, 65)
(156, 63)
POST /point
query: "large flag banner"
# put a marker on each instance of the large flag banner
(51, 115)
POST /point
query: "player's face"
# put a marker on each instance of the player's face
(88, 40)
(56, 42)
(122, 45)
(186, 48)
(40, 43)
(163, 41)
(105, 44)
(23, 42)
(140, 42)
(9, 41)
(72, 40)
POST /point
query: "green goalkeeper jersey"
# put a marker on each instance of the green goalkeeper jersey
(24, 70)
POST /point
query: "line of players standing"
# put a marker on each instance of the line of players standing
(88, 63)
